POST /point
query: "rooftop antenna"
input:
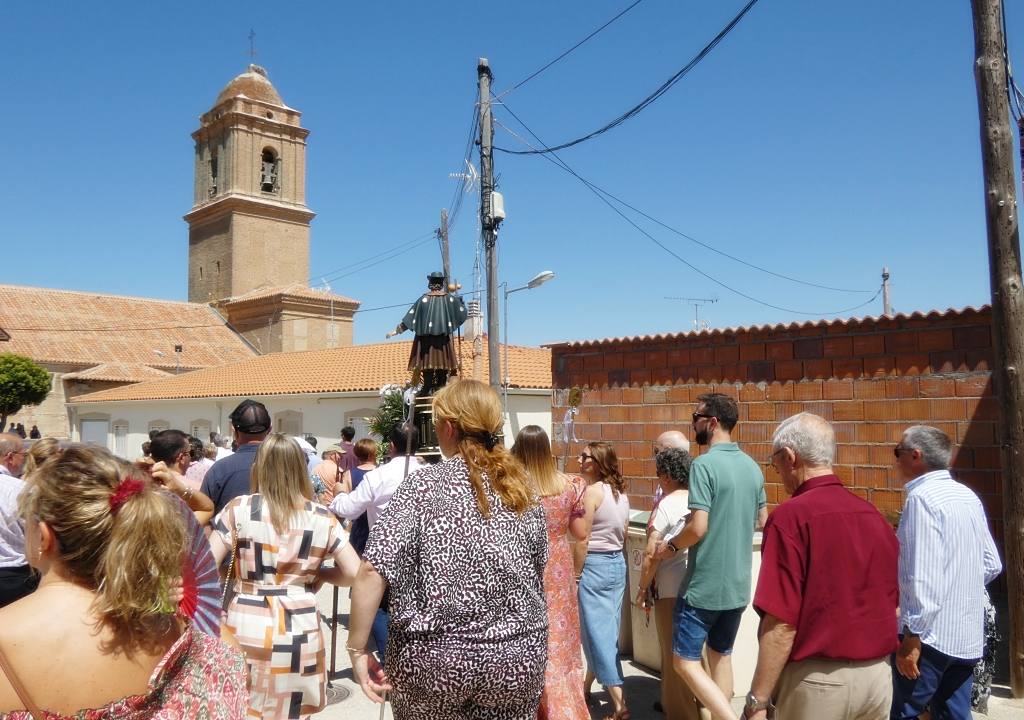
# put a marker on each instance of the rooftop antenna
(698, 325)
(252, 46)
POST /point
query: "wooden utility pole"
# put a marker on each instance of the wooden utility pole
(442, 234)
(1007, 303)
(490, 227)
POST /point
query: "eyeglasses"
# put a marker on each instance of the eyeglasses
(585, 456)
(697, 416)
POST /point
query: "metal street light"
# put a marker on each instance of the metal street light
(538, 280)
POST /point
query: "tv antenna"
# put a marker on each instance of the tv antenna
(696, 302)
(470, 178)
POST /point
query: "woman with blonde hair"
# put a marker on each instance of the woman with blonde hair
(109, 547)
(603, 579)
(278, 539)
(566, 510)
(462, 546)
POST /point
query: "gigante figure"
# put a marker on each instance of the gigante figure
(434, 318)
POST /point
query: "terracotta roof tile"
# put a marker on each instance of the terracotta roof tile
(64, 326)
(119, 372)
(294, 290)
(348, 369)
(848, 322)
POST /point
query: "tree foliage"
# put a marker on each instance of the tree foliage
(22, 382)
(391, 414)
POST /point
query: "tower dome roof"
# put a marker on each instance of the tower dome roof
(253, 83)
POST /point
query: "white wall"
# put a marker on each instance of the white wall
(320, 415)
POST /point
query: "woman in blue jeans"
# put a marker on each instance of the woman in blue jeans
(603, 580)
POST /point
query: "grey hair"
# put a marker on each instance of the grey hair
(9, 442)
(809, 436)
(674, 463)
(934, 445)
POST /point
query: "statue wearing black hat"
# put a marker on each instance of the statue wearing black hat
(434, 318)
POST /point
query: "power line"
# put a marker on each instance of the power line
(643, 104)
(567, 52)
(680, 233)
(372, 260)
(561, 163)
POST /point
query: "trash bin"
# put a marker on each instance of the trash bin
(644, 630)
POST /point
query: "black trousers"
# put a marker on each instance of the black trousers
(16, 583)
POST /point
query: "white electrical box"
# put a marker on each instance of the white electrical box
(497, 206)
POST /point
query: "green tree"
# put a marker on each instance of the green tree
(22, 382)
(390, 414)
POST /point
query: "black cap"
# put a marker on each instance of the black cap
(250, 417)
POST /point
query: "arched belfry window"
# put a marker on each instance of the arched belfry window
(213, 173)
(270, 171)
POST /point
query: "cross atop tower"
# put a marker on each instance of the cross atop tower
(252, 45)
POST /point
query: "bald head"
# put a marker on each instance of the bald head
(671, 440)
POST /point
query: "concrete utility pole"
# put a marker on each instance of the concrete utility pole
(490, 228)
(1007, 303)
(442, 234)
(886, 305)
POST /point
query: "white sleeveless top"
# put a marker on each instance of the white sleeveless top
(609, 529)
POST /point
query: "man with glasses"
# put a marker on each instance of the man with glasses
(727, 502)
(947, 557)
(827, 590)
(17, 579)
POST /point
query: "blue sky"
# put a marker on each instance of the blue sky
(819, 140)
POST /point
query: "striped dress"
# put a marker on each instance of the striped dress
(274, 614)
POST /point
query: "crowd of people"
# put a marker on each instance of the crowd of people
(488, 585)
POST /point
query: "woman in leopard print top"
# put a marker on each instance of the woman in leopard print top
(462, 546)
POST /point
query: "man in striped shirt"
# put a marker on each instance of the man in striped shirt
(947, 556)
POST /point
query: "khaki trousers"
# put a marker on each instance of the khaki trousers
(835, 689)
(676, 698)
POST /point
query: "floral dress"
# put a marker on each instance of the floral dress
(563, 678)
(274, 614)
(199, 677)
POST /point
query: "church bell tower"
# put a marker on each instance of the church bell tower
(249, 224)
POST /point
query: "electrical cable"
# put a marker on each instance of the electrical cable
(643, 104)
(561, 163)
(567, 52)
(370, 261)
(1013, 93)
(680, 233)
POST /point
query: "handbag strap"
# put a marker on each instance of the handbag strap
(231, 568)
(19, 689)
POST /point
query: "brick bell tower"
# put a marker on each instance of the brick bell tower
(249, 224)
(248, 230)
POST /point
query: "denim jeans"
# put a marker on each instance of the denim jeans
(602, 585)
(944, 686)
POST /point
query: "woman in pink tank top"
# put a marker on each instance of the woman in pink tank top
(603, 580)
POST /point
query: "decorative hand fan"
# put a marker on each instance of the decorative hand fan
(200, 578)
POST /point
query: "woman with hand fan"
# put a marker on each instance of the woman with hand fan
(100, 632)
(278, 540)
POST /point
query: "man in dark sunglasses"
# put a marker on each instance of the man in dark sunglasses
(727, 501)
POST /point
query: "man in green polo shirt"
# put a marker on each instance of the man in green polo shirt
(727, 503)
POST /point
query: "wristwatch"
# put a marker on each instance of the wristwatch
(753, 705)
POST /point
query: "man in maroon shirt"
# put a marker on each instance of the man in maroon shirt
(827, 592)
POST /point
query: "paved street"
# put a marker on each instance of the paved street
(642, 686)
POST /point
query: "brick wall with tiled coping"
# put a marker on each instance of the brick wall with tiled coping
(871, 378)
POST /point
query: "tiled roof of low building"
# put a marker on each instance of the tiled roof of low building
(778, 327)
(346, 369)
(82, 328)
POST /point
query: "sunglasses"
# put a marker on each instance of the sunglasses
(585, 456)
(900, 449)
(697, 416)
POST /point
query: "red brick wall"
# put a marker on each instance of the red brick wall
(871, 378)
